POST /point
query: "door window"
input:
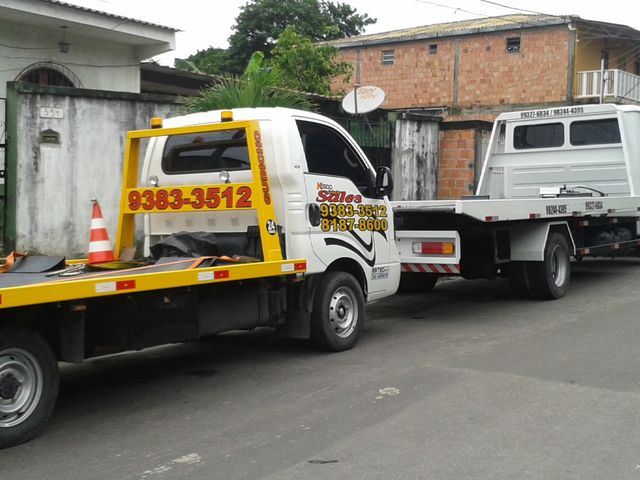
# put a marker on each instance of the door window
(328, 153)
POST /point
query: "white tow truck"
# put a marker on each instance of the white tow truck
(555, 183)
(275, 218)
(252, 218)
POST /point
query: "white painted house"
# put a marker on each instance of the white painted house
(55, 43)
(69, 89)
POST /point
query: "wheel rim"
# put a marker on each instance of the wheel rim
(343, 312)
(21, 382)
(559, 266)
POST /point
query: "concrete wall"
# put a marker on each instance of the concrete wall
(471, 70)
(51, 186)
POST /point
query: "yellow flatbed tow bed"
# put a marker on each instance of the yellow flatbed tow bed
(24, 289)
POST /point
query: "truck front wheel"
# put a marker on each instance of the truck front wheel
(550, 278)
(338, 312)
(29, 381)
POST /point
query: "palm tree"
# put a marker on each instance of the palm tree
(257, 87)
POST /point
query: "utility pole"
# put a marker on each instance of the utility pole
(357, 84)
(602, 80)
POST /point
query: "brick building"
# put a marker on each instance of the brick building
(475, 69)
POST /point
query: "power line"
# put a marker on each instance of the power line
(457, 9)
(514, 8)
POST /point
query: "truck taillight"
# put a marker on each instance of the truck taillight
(434, 248)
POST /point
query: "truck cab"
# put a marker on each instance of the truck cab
(331, 206)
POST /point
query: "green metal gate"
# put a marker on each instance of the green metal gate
(3, 159)
(375, 138)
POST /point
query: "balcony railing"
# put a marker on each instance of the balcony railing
(617, 83)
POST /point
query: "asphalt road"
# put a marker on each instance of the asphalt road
(464, 383)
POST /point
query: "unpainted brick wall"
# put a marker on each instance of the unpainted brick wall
(487, 74)
(457, 161)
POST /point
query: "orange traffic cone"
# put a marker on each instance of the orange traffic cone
(100, 249)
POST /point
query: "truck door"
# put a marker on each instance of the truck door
(345, 217)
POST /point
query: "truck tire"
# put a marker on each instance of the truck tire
(550, 278)
(414, 282)
(338, 312)
(29, 382)
(519, 279)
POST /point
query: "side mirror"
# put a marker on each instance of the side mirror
(384, 182)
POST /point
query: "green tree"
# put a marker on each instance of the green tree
(211, 60)
(306, 66)
(261, 22)
(257, 87)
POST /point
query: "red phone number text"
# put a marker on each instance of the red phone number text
(198, 198)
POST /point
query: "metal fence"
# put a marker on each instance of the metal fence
(3, 157)
(375, 138)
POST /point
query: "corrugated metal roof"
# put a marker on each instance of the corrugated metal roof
(112, 15)
(464, 27)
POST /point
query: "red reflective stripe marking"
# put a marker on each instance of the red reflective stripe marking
(125, 285)
(221, 274)
(431, 268)
(98, 234)
(0, 299)
(300, 266)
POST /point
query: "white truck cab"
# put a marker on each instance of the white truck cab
(323, 188)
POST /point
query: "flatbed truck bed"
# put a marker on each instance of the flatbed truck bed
(27, 289)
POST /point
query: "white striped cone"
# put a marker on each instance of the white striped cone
(100, 249)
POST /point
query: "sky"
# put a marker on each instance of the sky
(208, 23)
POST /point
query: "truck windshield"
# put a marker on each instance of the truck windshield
(206, 152)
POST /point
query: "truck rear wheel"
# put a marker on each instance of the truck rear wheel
(414, 282)
(519, 279)
(338, 312)
(550, 278)
(29, 382)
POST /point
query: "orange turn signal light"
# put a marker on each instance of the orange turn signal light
(434, 248)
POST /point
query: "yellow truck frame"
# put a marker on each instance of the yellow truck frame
(256, 195)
